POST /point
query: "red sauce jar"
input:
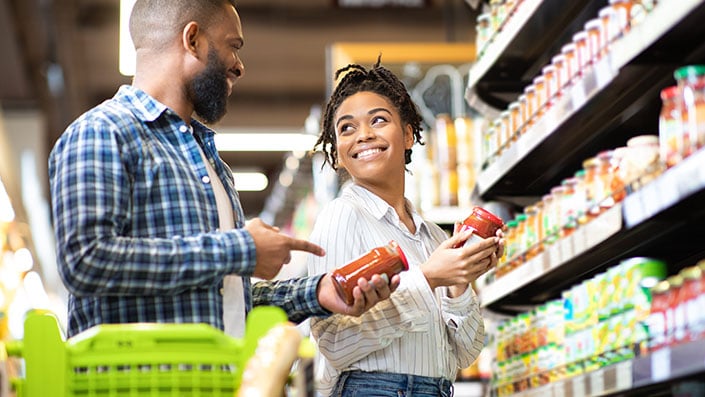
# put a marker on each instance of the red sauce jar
(483, 223)
(388, 259)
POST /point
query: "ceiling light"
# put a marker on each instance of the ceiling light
(252, 141)
(250, 181)
(127, 49)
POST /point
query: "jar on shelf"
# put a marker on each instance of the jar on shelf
(582, 51)
(595, 35)
(571, 67)
(515, 120)
(561, 72)
(505, 126)
(557, 203)
(618, 187)
(670, 127)
(640, 164)
(623, 14)
(498, 14)
(675, 316)
(548, 219)
(539, 84)
(551, 83)
(524, 114)
(657, 322)
(604, 176)
(510, 249)
(611, 29)
(484, 33)
(592, 187)
(530, 94)
(691, 83)
(580, 198)
(568, 208)
(532, 231)
(694, 325)
(521, 238)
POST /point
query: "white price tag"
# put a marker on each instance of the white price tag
(661, 364)
(566, 246)
(579, 386)
(603, 73)
(579, 240)
(577, 95)
(624, 375)
(559, 389)
(554, 255)
(597, 382)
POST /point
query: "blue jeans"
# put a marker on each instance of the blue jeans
(367, 384)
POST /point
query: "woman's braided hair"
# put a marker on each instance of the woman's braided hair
(379, 80)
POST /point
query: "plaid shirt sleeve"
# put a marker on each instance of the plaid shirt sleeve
(297, 297)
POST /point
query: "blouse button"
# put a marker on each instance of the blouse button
(183, 128)
(222, 291)
(205, 179)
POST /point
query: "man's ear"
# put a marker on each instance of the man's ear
(189, 38)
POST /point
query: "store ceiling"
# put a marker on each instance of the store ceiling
(61, 57)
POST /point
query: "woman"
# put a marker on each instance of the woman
(414, 342)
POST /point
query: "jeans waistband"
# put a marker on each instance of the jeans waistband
(444, 386)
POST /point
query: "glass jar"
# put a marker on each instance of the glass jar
(604, 175)
(610, 27)
(557, 194)
(530, 93)
(691, 292)
(483, 223)
(582, 51)
(510, 249)
(691, 83)
(499, 13)
(656, 321)
(569, 52)
(504, 130)
(558, 63)
(388, 259)
(623, 14)
(515, 120)
(547, 216)
(531, 230)
(640, 164)
(484, 33)
(551, 83)
(540, 94)
(593, 28)
(580, 198)
(592, 187)
(568, 209)
(524, 114)
(675, 316)
(670, 127)
(521, 238)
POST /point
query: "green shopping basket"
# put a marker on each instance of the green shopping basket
(143, 359)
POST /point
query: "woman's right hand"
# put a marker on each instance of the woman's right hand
(448, 266)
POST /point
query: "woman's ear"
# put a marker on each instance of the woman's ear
(408, 136)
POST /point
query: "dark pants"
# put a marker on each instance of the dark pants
(360, 383)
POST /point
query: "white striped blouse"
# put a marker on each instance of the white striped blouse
(416, 331)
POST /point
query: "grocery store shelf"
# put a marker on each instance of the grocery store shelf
(646, 375)
(516, 52)
(664, 219)
(685, 181)
(614, 100)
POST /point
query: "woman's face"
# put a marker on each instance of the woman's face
(371, 139)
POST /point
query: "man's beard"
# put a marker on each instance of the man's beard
(209, 90)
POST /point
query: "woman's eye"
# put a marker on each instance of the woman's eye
(378, 119)
(345, 128)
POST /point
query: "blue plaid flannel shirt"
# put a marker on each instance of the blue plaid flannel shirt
(136, 223)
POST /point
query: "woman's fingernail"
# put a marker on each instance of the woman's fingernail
(385, 277)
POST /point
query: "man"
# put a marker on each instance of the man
(148, 223)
